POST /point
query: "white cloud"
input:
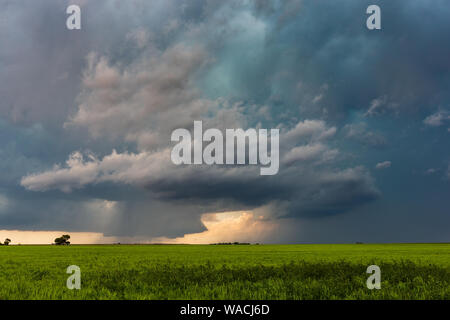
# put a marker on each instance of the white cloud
(376, 106)
(383, 165)
(313, 129)
(144, 101)
(317, 98)
(437, 119)
(381, 105)
(127, 168)
(310, 152)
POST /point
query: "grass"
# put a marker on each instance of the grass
(408, 271)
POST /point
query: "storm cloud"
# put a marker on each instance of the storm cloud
(86, 115)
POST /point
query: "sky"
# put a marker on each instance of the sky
(86, 118)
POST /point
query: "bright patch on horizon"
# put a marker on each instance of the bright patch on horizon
(240, 226)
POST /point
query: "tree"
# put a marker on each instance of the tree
(7, 241)
(63, 240)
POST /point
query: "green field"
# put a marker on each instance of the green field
(408, 271)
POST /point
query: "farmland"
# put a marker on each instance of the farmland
(408, 271)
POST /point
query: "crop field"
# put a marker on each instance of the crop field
(408, 271)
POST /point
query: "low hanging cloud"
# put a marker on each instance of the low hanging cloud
(307, 181)
(81, 170)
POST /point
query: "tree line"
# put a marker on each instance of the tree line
(63, 240)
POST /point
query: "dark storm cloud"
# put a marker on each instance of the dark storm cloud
(318, 57)
(139, 69)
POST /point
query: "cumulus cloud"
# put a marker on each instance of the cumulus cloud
(144, 101)
(437, 119)
(381, 105)
(155, 94)
(300, 182)
(310, 152)
(383, 165)
(314, 129)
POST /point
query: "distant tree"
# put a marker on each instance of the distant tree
(63, 240)
(7, 241)
(231, 243)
